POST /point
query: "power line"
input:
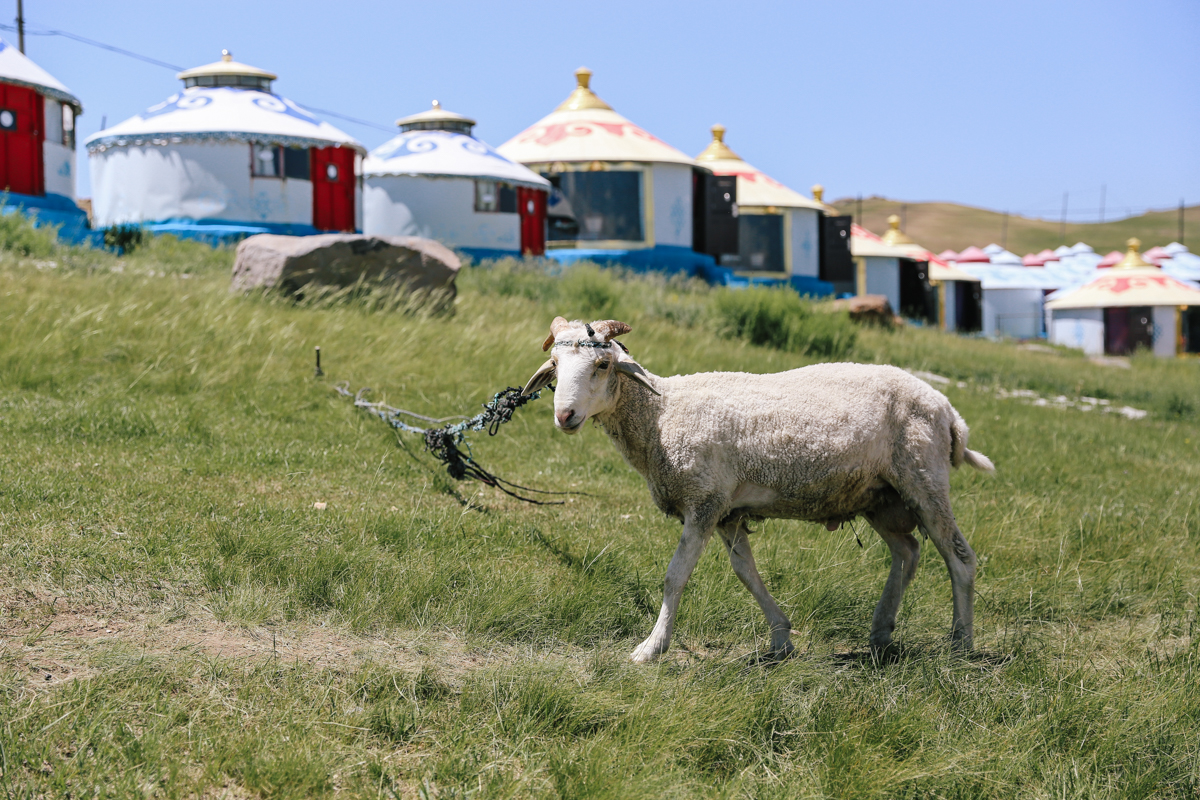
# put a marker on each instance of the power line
(94, 43)
(176, 68)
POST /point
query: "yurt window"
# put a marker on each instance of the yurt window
(68, 126)
(495, 196)
(264, 161)
(760, 242)
(607, 205)
(275, 161)
(54, 121)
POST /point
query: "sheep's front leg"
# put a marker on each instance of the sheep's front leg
(696, 533)
(737, 540)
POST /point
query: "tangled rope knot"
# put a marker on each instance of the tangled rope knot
(444, 443)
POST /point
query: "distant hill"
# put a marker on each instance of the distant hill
(938, 226)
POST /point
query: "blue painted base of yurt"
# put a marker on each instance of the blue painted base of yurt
(478, 254)
(223, 232)
(53, 209)
(666, 258)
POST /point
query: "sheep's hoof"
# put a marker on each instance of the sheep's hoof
(777, 654)
(646, 652)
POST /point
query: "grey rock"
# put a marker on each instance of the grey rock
(290, 263)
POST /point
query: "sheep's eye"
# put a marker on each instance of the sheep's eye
(602, 365)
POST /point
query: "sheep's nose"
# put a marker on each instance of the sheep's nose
(564, 417)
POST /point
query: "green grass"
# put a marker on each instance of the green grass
(208, 632)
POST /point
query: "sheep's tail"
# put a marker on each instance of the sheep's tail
(959, 454)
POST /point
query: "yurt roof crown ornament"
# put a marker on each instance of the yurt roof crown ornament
(755, 188)
(894, 235)
(1133, 259)
(436, 119)
(227, 72)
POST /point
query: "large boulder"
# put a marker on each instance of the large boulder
(290, 263)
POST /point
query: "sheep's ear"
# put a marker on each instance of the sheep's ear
(541, 378)
(606, 329)
(635, 371)
(557, 325)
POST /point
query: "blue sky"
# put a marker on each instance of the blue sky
(1004, 105)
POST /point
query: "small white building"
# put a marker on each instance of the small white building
(1132, 305)
(620, 194)
(436, 180)
(223, 159)
(37, 143)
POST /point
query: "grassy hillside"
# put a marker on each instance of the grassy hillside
(177, 619)
(941, 225)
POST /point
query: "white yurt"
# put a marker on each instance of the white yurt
(778, 229)
(1132, 305)
(436, 180)
(37, 143)
(621, 194)
(223, 159)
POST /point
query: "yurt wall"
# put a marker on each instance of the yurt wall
(1080, 328)
(672, 188)
(193, 181)
(880, 275)
(444, 209)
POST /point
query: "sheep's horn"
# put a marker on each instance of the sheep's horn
(635, 371)
(541, 378)
(557, 325)
(608, 328)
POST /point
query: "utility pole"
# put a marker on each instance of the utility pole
(1004, 232)
(1181, 241)
(860, 219)
(904, 216)
(21, 25)
(1062, 229)
(1103, 189)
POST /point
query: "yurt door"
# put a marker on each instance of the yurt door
(532, 205)
(21, 137)
(1127, 329)
(333, 188)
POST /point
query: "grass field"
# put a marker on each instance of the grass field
(177, 619)
(941, 225)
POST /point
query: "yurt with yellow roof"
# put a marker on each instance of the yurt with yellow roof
(778, 230)
(932, 289)
(37, 143)
(1133, 305)
(619, 193)
(223, 159)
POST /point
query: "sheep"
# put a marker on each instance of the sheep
(823, 443)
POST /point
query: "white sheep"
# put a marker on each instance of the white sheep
(824, 443)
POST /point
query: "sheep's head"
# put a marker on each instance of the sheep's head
(588, 364)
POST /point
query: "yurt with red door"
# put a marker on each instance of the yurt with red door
(223, 159)
(620, 194)
(37, 143)
(438, 181)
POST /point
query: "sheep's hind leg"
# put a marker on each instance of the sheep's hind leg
(696, 532)
(737, 541)
(937, 522)
(894, 523)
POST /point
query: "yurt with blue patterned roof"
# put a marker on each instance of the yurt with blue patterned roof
(37, 143)
(223, 159)
(438, 181)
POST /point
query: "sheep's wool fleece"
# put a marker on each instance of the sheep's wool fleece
(818, 443)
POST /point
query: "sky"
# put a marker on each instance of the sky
(1004, 105)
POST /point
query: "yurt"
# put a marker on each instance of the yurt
(778, 229)
(37, 143)
(223, 159)
(438, 181)
(620, 194)
(933, 290)
(1135, 304)
(877, 265)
